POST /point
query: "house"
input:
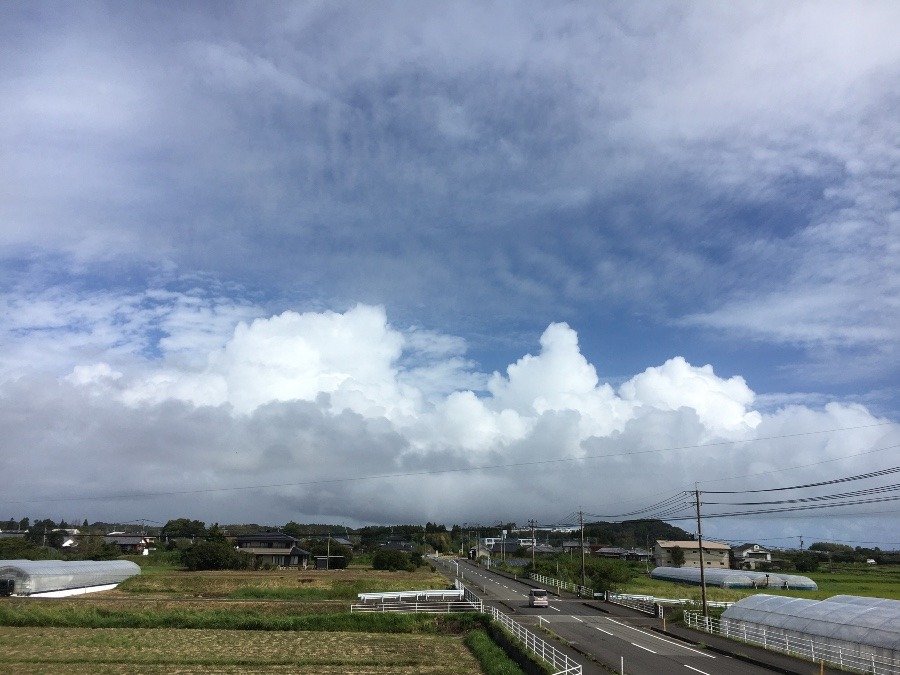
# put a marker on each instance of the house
(398, 545)
(715, 554)
(575, 546)
(750, 557)
(273, 548)
(130, 542)
(619, 553)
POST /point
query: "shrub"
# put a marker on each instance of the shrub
(387, 559)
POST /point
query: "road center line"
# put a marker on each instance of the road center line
(646, 649)
(696, 669)
(657, 637)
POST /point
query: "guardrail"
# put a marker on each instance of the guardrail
(433, 607)
(806, 648)
(641, 603)
(536, 645)
(577, 589)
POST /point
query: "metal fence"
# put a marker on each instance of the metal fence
(641, 603)
(577, 589)
(536, 645)
(803, 647)
(433, 606)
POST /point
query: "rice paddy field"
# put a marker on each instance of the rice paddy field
(161, 650)
(171, 621)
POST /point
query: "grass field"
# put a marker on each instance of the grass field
(878, 582)
(79, 651)
(171, 621)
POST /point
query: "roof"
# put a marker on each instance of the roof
(755, 547)
(128, 539)
(868, 621)
(41, 576)
(734, 578)
(266, 536)
(265, 550)
(692, 544)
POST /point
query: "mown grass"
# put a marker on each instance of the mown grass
(275, 585)
(83, 650)
(221, 616)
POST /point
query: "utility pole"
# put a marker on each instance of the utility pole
(533, 542)
(700, 545)
(581, 520)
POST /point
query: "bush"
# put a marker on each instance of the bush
(492, 658)
(393, 561)
(215, 555)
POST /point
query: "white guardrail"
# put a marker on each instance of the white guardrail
(536, 645)
(433, 607)
(777, 640)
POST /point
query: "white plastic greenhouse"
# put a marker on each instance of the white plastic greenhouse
(734, 578)
(841, 628)
(60, 577)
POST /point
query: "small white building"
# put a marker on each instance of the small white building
(750, 556)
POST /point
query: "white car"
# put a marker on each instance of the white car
(537, 597)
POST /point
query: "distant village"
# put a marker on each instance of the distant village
(318, 545)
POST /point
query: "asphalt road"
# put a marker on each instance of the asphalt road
(611, 636)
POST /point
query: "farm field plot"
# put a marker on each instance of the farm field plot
(80, 651)
(271, 585)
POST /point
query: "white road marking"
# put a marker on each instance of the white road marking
(605, 631)
(657, 637)
(696, 669)
(646, 649)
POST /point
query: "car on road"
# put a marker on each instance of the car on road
(537, 597)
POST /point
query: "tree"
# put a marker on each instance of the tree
(609, 575)
(392, 560)
(293, 529)
(677, 556)
(341, 556)
(806, 561)
(184, 528)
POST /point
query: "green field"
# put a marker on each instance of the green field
(172, 621)
(871, 581)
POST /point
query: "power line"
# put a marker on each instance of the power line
(873, 474)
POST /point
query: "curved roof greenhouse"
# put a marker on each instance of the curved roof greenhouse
(874, 622)
(734, 578)
(33, 577)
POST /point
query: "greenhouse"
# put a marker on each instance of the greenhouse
(734, 578)
(850, 630)
(60, 578)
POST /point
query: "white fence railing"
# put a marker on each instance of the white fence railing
(578, 589)
(539, 647)
(777, 640)
(434, 607)
(641, 603)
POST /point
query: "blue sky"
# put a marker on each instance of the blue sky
(311, 245)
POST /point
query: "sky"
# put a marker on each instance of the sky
(469, 262)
